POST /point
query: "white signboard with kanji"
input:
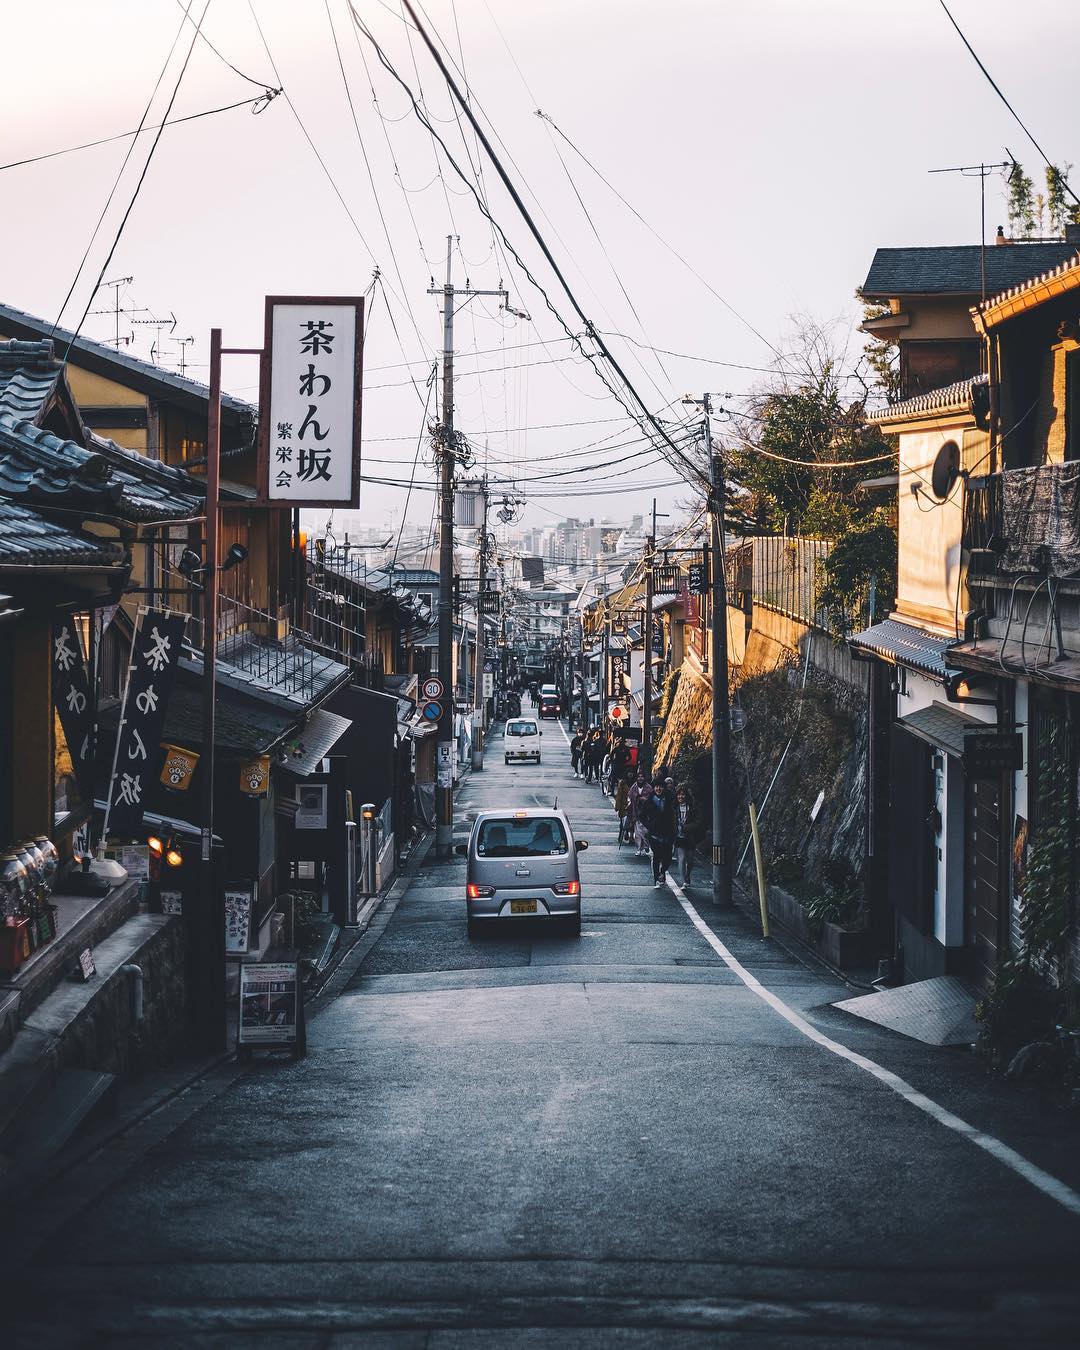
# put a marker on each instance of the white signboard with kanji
(310, 432)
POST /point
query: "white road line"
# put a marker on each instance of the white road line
(1042, 1181)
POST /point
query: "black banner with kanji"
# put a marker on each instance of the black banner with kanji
(150, 682)
(71, 698)
(616, 671)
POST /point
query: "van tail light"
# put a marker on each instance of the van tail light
(567, 888)
(474, 892)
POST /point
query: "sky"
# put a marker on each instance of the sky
(773, 144)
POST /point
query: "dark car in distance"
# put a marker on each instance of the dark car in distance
(550, 706)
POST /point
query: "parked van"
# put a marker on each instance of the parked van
(522, 864)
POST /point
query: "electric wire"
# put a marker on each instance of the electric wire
(265, 98)
(138, 185)
(119, 174)
(370, 174)
(694, 471)
(998, 90)
(260, 84)
(655, 233)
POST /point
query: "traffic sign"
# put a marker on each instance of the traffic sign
(431, 712)
(432, 687)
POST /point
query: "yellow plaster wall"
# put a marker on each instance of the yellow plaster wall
(95, 391)
(930, 534)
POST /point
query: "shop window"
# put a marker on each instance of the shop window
(70, 803)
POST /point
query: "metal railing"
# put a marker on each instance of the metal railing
(264, 646)
(786, 574)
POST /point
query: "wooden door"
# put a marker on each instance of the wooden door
(982, 877)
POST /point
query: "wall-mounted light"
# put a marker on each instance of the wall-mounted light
(958, 687)
(237, 554)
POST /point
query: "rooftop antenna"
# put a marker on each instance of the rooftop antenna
(116, 310)
(183, 344)
(981, 172)
(159, 326)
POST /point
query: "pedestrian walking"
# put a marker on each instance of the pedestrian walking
(641, 828)
(659, 816)
(622, 803)
(620, 761)
(687, 831)
(633, 807)
(575, 752)
(594, 756)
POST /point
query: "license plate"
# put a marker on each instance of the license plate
(522, 906)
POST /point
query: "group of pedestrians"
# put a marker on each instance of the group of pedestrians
(658, 817)
(596, 757)
(662, 821)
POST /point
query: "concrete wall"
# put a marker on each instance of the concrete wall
(827, 655)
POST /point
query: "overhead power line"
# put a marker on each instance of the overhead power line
(998, 90)
(141, 179)
(643, 414)
(265, 98)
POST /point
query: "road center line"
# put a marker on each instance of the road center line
(1042, 1181)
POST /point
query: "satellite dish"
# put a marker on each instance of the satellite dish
(946, 470)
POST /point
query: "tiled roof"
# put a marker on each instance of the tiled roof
(956, 269)
(243, 726)
(28, 540)
(43, 471)
(28, 377)
(125, 369)
(906, 645)
(1066, 273)
(959, 397)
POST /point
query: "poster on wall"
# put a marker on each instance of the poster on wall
(238, 906)
(309, 436)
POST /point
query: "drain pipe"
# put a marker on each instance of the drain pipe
(136, 990)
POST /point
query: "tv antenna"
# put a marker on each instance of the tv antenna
(116, 310)
(159, 325)
(981, 172)
(183, 344)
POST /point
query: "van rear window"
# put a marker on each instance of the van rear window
(521, 728)
(533, 837)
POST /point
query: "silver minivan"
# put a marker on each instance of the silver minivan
(522, 864)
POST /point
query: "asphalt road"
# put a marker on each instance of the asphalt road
(529, 1139)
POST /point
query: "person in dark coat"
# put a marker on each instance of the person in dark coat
(688, 831)
(620, 761)
(658, 814)
(575, 752)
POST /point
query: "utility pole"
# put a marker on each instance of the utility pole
(447, 451)
(646, 711)
(479, 702)
(718, 661)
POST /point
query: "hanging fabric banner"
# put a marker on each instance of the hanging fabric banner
(151, 676)
(71, 698)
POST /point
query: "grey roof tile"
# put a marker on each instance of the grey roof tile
(906, 645)
(29, 540)
(43, 471)
(956, 270)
